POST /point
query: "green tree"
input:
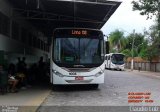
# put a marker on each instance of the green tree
(146, 7)
(152, 52)
(139, 43)
(117, 40)
(143, 53)
(127, 53)
(154, 42)
(153, 33)
(150, 8)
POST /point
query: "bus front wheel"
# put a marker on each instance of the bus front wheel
(95, 86)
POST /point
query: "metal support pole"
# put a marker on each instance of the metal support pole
(159, 18)
(133, 38)
(38, 4)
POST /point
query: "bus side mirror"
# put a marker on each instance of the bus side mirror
(107, 47)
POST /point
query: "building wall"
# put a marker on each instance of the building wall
(5, 8)
(18, 38)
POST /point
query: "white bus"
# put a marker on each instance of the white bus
(114, 61)
(77, 57)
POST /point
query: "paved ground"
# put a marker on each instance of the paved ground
(110, 97)
(27, 100)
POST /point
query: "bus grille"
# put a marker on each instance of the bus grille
(79, 81)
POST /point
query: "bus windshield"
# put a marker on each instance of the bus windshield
(117, 59)
(78, 52)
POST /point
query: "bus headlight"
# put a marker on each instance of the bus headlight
(99, 73)
(57, 73)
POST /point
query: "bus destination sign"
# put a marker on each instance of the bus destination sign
(79, 32)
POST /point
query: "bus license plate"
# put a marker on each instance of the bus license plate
(79, 78)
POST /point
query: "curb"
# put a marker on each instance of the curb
(144, 72)
(33, 106)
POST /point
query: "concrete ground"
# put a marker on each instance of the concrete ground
(31, 98)
(112, 96)
(27, 100)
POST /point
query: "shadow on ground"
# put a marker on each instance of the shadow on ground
(68, 88)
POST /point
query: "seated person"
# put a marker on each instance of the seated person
(13, 82)
(22, 80)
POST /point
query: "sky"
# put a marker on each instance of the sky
(125, 19)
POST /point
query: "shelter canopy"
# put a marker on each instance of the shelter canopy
(47, 15)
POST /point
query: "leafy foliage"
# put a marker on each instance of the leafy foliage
(127, 53)
(153, 48)
(146, 45)
(146, 7)
(139, 42)
(117, 40)
(152, 52)
(150, 8)
(143, 53)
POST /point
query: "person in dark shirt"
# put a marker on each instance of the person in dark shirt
(18, 66)
(24, 66)
(12, 69)
(22, 72)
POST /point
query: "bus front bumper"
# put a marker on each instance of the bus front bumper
(78, 80)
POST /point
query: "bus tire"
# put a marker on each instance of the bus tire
(54, 87)
(95, 86)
